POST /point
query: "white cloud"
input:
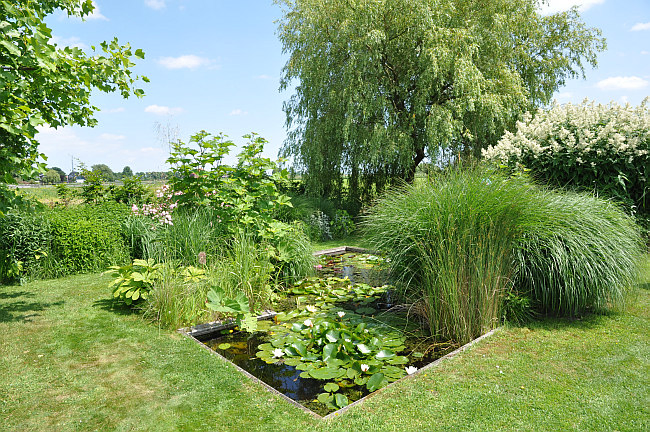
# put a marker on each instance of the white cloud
(185, 62)
(265, 77)
(640, 26)
(155, 4)
(114, 110)
(645, 52)
(162, 110)
(555, 6)
(238, 112)
(72, 42)
(96, 14)
(622, 83)
(112, 137)
(624, 100)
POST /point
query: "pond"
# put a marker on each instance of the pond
(337, 338)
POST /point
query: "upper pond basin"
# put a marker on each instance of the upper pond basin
(337, 337)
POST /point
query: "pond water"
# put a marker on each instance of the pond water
(350, 286)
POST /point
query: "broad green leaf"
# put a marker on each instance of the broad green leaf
(331, 387)
(376, 382)
(326, 373)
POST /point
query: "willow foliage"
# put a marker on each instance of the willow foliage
(380, 85)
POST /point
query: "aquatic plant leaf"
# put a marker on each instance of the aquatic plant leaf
(332, 336)
(325, 398)
(326, 373)
(224, 346)
(398, 360)
(331, 387)
(364, 349)
(310, 357)
(341, 400)
(330, 351)
(376, 382)
(384, 354)
(300, 348)
(393, 342)
(366, 311)
(393, 372)
(293, 362)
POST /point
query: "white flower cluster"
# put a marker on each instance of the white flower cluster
(586, 134)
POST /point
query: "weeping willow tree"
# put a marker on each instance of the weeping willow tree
(381, 85)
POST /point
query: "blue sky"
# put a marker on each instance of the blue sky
(215, 65)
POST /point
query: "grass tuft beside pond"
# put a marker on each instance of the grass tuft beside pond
(71, 360)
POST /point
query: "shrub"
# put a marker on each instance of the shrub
(591, 147)
(85, 238)
(244, 197)
(463, 241)
(131, 192)
(24, 242)
(342, 225)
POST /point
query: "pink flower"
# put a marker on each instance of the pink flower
(202, 258)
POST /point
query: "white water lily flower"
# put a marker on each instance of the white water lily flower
(277, 353)
(341, 314)
(311, 309)
(411, 370)
(309, 323)
(364, 367)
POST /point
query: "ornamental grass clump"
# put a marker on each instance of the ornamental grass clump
(462, 242)
(451, 246)
(577, 253)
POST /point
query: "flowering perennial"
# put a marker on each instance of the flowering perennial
(160, 212)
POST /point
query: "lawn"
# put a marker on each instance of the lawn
(72, 361)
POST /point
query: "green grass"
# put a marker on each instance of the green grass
(354, 240)
(72, 362)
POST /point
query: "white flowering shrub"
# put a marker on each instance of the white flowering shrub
(601, 148)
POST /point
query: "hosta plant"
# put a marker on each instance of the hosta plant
(134, 282)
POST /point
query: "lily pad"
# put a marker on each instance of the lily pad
(341, 400)
(331, 387)
(224, 346)
(385, 354)
(326, 373)
(376, 382)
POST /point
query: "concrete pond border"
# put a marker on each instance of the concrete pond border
(202, 330)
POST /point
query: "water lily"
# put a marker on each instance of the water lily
(311, 308)
(309, 323)
(364, 367)
(341, 314)
(277, 353)
(411, 370)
